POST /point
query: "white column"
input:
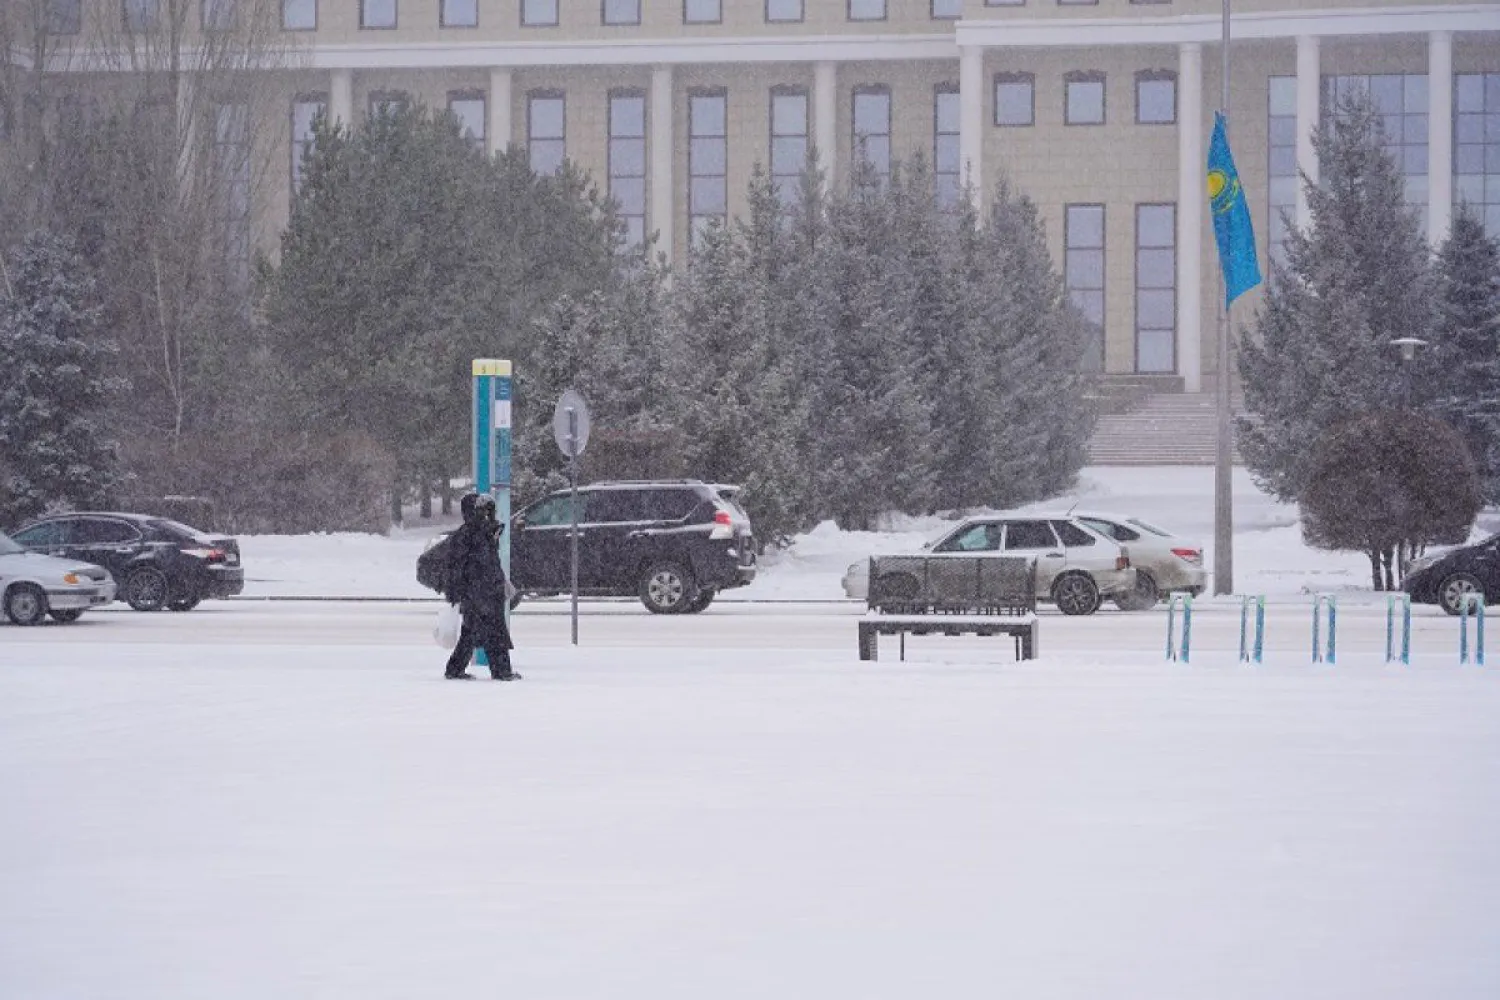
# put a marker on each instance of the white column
(1192, 194)
(1439, 136)
(497, 135)
(1309, 86)
(825, 119)
(341, 98)
(662, 201)
(971, 121)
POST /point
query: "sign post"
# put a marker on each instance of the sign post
(570, 428)
(491, 450)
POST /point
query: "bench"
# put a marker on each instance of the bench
(957, 594)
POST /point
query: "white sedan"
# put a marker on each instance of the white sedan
(33, 586)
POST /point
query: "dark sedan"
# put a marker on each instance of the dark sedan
(1448, 578)
(156, 563)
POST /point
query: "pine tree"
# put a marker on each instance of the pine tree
(1355, 280)
(1460, 372)
(1047, 421)
(55, 382)
(880, 421)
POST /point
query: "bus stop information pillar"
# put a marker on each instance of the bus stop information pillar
(490, 421)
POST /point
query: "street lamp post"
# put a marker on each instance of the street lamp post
(1408, 346)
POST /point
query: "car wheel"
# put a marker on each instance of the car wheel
(1455, 589)
(1076, 594)
(66, 617)
(146, 590)
(25, 604)
(666, 589)
(183, 603)
(702, 601)
(1143, 597)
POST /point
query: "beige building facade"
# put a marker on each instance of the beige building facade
(1099, 111)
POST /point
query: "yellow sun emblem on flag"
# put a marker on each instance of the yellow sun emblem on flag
(1222, 191)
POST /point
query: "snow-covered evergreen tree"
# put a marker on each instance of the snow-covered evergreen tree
(1355, 280)
(1046, 420)
(56, 378)
(1460, 372)
(879, 424)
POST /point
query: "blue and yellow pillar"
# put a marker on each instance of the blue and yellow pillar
(491, 424)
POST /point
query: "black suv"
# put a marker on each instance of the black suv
(156, 562)
(673, 543)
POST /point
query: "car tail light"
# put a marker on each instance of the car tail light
(207, 555)
(1194, 556)
(1122, 561)
(723, 525)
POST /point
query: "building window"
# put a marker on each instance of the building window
(867, 10)
(783, 10)
(1085, 99)
(1155, 97)
(708, 161)
(468, 107)
(1476, 146)
(1156, 288)
(946, 170)
(546, 131)
(218, 15)
(627, 162)
(1005, 3)
(1083, 273)
(1401, 100)
(231, 159)
(702, 11)
(306, 110)
(539, 13)
(872, 128)
(377, 13)
(141, 15)
(620, 12)
(460, 14)
(299, 15)
(1281, 145)
(1015, 99)
(789, 142)
(1078, 3)
(944, 9)
(388, 102)
(64, 17)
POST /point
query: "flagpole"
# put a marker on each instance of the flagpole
(1223, 469)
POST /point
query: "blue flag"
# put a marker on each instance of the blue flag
(1232, 226)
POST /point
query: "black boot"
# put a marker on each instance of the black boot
(459, 677)
(506, 675)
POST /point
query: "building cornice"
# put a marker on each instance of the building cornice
(1208, 28)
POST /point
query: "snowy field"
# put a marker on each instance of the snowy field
(282, 799)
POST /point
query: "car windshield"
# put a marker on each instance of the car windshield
(1150, 527)
(8, 547)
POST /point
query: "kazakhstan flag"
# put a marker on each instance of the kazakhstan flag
(1232, 226)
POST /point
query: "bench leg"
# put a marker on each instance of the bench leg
(1028, 644)
(869, 643)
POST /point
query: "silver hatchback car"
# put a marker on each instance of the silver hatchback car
(33, 586)
(1076, 567)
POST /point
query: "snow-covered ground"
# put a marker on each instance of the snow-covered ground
(261, 800)
(1269, 555)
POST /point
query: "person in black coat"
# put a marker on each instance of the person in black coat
(476, 583)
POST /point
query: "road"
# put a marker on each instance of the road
(823, 626)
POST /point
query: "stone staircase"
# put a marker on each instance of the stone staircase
(1162, 429)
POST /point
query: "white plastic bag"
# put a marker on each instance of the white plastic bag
(449, 623)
